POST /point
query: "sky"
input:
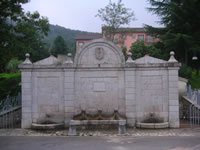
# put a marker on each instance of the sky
(80, 14)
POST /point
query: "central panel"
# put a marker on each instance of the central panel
(99, 91)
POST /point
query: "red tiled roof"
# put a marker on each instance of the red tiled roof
(88, 36)
(128, 30)
(131, 30)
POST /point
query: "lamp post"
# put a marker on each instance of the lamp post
(194, 59)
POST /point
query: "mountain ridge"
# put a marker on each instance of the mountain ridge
(66, 33)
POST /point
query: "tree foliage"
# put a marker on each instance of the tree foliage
(139, 49)
(59, 46)
(12, 66)
(181, 32)
(115, 15)
(20, 32)
(124, 51)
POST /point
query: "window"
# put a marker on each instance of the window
(80, 44)
(123, 37)
(150, 38)
(134, 37)
(116, 40)
(140, 37)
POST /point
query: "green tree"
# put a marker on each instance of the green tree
(124, 51)
(139, 49)
(59, 46)
(114, 15)
(20, 32)
(12, 66)
(31, 31)
(9, 12)
(181, 32)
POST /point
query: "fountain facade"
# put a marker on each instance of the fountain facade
(98, 82)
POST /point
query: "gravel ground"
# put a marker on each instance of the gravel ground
(130, 132)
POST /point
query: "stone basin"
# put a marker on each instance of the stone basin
(74, 123)
(152, 125)
(47, 126)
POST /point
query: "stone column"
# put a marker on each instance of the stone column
(69, 90)
(173, 98)
(130, 100)
(173, 92)
(26, 99)
(26, 81)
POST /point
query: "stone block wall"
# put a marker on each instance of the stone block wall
(99, 90)
(152, 94)
(47, 96)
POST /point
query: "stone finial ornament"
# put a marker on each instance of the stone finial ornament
(129, 60)
(69, 59)
(27, 60)
(172, 58)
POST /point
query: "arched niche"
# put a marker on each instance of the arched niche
(99, 53)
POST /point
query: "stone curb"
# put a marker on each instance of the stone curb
(134, 132)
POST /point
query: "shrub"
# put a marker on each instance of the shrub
(194, 81)
(139, 49)
(9, 84)
(185, 71)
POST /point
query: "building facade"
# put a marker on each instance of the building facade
(124, 37)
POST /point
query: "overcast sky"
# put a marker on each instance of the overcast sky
(80, 14)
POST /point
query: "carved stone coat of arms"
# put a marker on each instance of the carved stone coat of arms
(99, 53)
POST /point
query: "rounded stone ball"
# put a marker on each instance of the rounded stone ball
(172, 53)
(27, 55)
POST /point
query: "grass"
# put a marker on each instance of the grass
(9, 75)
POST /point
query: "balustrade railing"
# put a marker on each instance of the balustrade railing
(10, 112)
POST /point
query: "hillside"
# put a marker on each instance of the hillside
(67, 34)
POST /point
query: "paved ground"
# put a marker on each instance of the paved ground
(99, 143)
(136, 139)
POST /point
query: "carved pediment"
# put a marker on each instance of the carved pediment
(47, 61)
(149, 60)
(99, 53)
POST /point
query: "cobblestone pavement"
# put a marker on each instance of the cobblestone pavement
(130, 132)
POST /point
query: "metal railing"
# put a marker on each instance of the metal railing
(10, 112)
(194, 115)
(193, 95)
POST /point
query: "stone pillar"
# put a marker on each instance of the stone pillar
(173, 92)
(130, 100)
(26, 81)
(173, 98)
(122, 127)
(69, 90)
